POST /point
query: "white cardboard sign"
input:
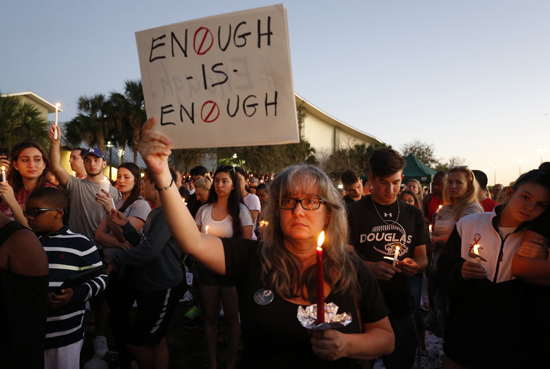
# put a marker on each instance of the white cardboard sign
(221, 81)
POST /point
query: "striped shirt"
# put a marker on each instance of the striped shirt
(68, 254)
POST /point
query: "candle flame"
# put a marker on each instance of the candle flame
(476, 249)
(321, 239)
(57, 105)
(430, 227)
(3, 168)
(264, 223)
(207, 229)
(397, 247)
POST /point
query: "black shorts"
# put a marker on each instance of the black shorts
(209, 278)
(154, 312)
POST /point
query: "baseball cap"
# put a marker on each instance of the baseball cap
(93, 151)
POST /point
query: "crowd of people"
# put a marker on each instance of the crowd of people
(477, 259)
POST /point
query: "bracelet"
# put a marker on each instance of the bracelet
(165, 188)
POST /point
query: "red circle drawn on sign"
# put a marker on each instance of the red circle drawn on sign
(203, 49)
(211, 108)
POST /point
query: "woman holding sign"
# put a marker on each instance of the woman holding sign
(303, 203)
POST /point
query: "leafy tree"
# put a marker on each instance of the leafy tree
(446, 166)
(355, 157)
(185, 159)
(423, 151)
(20, 121)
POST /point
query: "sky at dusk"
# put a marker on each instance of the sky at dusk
(470, 77)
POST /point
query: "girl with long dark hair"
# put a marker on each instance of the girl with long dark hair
(223, 215)
(27, 172)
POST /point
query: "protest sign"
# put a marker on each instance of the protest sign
(221, 81)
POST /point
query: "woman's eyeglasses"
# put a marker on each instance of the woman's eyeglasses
(308, 203)
(34, 212)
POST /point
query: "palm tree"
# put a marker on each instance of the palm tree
(128, 114)
(20, 121)
(91, 123)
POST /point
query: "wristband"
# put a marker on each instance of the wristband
(165, 188)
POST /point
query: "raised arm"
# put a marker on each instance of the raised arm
(208, 250)
(55, 157)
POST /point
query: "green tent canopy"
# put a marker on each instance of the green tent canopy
(416, 169)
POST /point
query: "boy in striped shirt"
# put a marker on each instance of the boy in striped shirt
(68, 254)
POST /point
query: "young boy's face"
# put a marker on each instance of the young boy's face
(45, 221)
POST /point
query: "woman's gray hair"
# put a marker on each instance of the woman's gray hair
(281, 270)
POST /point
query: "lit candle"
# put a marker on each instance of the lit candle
(396, 255)
(320, 281)
(476, 251)
(206, 230)
(56, 113)
(439, 208)
(430, 228)
(3, 174)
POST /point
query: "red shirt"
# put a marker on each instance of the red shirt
(433, 206)
(488, 205)
(21, 197)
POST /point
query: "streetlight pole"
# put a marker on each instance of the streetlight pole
(541, 151)
(519, 161)
(495, 166)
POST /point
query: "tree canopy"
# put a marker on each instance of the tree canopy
(21, 121)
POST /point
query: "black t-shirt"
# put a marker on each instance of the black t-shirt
(348, 200)
(373, 239)
(272, 335)
(23, 313)
(541, 225)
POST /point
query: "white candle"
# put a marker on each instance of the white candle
(396, 255)
(104, 185)
(206, 230)
(476, 251)
(3, 174)
(56, 113)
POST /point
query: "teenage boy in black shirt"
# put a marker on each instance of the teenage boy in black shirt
(380, 224)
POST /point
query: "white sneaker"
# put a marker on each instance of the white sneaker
(100, 346)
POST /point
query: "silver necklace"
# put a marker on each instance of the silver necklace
(391, 221)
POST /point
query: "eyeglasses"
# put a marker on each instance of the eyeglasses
(253, 187)
(37, 211)
(308, 203)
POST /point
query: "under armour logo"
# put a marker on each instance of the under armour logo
(388, 215)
